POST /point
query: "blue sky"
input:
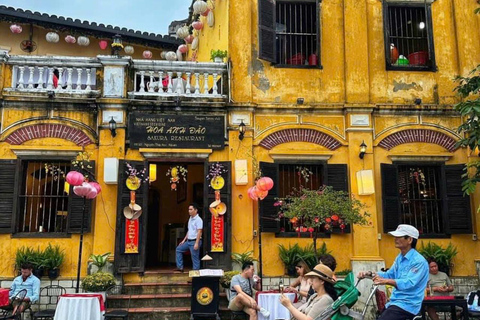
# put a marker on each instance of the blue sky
(144, 15)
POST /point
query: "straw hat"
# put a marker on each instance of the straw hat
(323, 272)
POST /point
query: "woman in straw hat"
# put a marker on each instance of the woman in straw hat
(322, 282)
(302, 284)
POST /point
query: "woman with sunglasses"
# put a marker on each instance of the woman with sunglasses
(301, 285)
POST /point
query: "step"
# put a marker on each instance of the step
(168, 300)
(169, 313)
(165, 276)
(157, 287)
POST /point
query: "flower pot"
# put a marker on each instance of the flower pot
(291, 271)
(38, 272)
(218, 59)
(53, 273)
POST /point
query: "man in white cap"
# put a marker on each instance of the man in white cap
(408, 276)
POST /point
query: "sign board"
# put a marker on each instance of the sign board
(176, 131)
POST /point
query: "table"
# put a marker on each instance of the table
(271, 302)
(449, 301)
(80, 306)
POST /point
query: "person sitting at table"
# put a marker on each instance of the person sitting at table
(301, 285)
(325, 294)
(25, 281)
(439, 284)
(328, 260)
(241, 298)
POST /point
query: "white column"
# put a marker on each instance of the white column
(89, 79)
(215, 87)
(78, 87)
(170, 82)
(187, 87)
(205, 84)
(31, 70)
(179, 87)
(40, 77)
(160, 82)
(50, 79)
(60, 79)
(197, 83)
(142, 81)
(69, 79)
(152, 84)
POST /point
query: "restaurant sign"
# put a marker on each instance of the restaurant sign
(176, 131)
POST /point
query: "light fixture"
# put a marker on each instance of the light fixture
(152, 176)
(363, 149)
(117, 45)
(241, 130)
(365, 182)
(112, 124)
(421, 25)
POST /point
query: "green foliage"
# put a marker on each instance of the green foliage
(241, 258)
(226, 279)
(53, 256)
(98, 282)
(443, 256)
(218, 54)
(100, 260)
(23, 255)
(290, 255)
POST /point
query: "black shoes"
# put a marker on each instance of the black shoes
(179, 270)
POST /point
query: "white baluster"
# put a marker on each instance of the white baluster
(215, 87)
(142, 81)
(152, 80)
(20, 78)
(69, 79)
(89, 79)
(160, 82)
(40, 77)
(79, 79)
(50, 79)
(60, 79)
(205, 84)
(31, 70)
(187, 87)
(179, 87)
(170, 82)
(197, 83)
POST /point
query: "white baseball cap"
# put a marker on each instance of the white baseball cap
(405, 230)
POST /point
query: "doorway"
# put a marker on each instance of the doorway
(168, 203)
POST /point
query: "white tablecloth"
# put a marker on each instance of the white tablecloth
(78, 308)
(271, 302)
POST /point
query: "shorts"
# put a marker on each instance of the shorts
(233, 307)
(25, 304)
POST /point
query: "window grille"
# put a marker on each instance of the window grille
(296, 30)
(43, 200)
(420, 198)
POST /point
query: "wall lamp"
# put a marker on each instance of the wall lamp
(363, 150)
(241, 130)
(112, 124)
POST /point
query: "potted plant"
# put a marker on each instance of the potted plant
(37, 259)
(98, 282)
(23, 255)
(218, 55)
(54, 257)
(100, 260)
(290, 257)
(443, 256)
(226, 280)
(241, 258)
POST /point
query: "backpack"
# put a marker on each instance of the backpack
(472, 301)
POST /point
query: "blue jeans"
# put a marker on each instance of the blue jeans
(186, 246)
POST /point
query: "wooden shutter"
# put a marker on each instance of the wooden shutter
(266, 30)
(269, 221)
(132, 262)
(337, 177)
(221, 260)
(458, 213)
(391, 199)
(75, 211)
(8, 194)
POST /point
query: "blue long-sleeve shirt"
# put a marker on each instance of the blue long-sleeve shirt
(410, 272)
(32, 284)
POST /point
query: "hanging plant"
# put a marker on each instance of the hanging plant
(15, 28)
(176, 174)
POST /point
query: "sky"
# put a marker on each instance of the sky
(144, 15)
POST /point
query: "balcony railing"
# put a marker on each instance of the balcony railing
(179, 78)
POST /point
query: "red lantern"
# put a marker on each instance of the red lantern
(183, 48)
(70, 39)
(103, 44)
(96, 186)
(261, 194)
(82, 190)
(15, 28)
(147, 54)
(252, 193)
(75, 178)
(334, 217)
(188, 39)
(205, 13)
(197, 25)
(265, 184)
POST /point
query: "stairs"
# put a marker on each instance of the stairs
(161, 295)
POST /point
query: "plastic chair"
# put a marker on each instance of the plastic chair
(11, 312)
(52, 292)
(117, 314)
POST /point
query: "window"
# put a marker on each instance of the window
(289, 33)
(427, 196)
(408, 36)
(43, 200)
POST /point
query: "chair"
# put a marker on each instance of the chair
(117, 314)
(11, 312)
(52, 292)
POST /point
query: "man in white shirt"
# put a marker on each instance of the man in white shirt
(192, 240)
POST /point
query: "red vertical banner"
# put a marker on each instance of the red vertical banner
(131, 236)
(217, 234)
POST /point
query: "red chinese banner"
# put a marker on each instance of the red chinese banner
(217, 234)
(131, 236)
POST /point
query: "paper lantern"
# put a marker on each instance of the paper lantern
(83, 190)
(199, 7)
(179, 55)
(129, 50)
(252, 193)
(147, 54)
(197, 25)
(188, 39)
(261, 194)
(83, 41)
(171, 56)
(183, 48)
(195, 43)
(70, 39)
(210, 19)
(92, 194)
(15, 28)
(264, 184)
(206, 12)
(75, 178)
(183, 32)
(96, 186)
(103, 44)
(52, 37)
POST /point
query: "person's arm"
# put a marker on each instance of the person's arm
(297, 314)
(13, 287)
(197, 241)
(36, 291)
(410, 281)
(295, 284)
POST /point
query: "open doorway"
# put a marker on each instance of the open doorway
(168, 211)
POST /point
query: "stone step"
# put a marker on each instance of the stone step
(165, 276)
(167, 300)
(173, 313)
(157, 287)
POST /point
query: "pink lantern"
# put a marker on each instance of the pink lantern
(75, 178)
(188, 39)
(147, 54)
(206, 12)
(103, 44)
(82, 190)
(15, 28)
(96, 186)
(197, 25)
(252, 193)
(265, 184)
(70, 39)
(261, 194)
(183, 48)
(92, 193)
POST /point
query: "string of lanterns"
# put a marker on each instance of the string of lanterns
(261, 188)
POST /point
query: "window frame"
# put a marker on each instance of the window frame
(386, 32)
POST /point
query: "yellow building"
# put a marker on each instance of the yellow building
(311, 81)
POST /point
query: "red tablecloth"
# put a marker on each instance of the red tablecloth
(439, 298)
(80, 295)
(3, 297)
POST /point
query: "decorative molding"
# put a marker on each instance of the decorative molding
(418, 135)
(301, 157)
(175, 153)
(48, 130)
(420, 158)
(359, 120)
(45, 152)
(300, 135)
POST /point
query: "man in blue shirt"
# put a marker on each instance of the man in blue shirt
(408, 276)
(25, 281)
(192, 240)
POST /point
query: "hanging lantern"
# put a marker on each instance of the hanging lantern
(163, 55)
(147, 54)
(52, 37)
(183, 48)
(70, 39)
(197, 25)
(199, 7)
(265, 184)
(96, 186)
(261, 194)
(252, 193)
(92, 193)
(179, 55)
(183, 32)
(75, 178)
(129, 50)
(83, 189)
(171, 56)
(188, 39)
(210, 19)
(206, 12)
(83, 41)
(103, 44)
(195, 43)
(15, 28)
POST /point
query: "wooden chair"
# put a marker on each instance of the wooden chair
(117, 314)
(52, 292)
